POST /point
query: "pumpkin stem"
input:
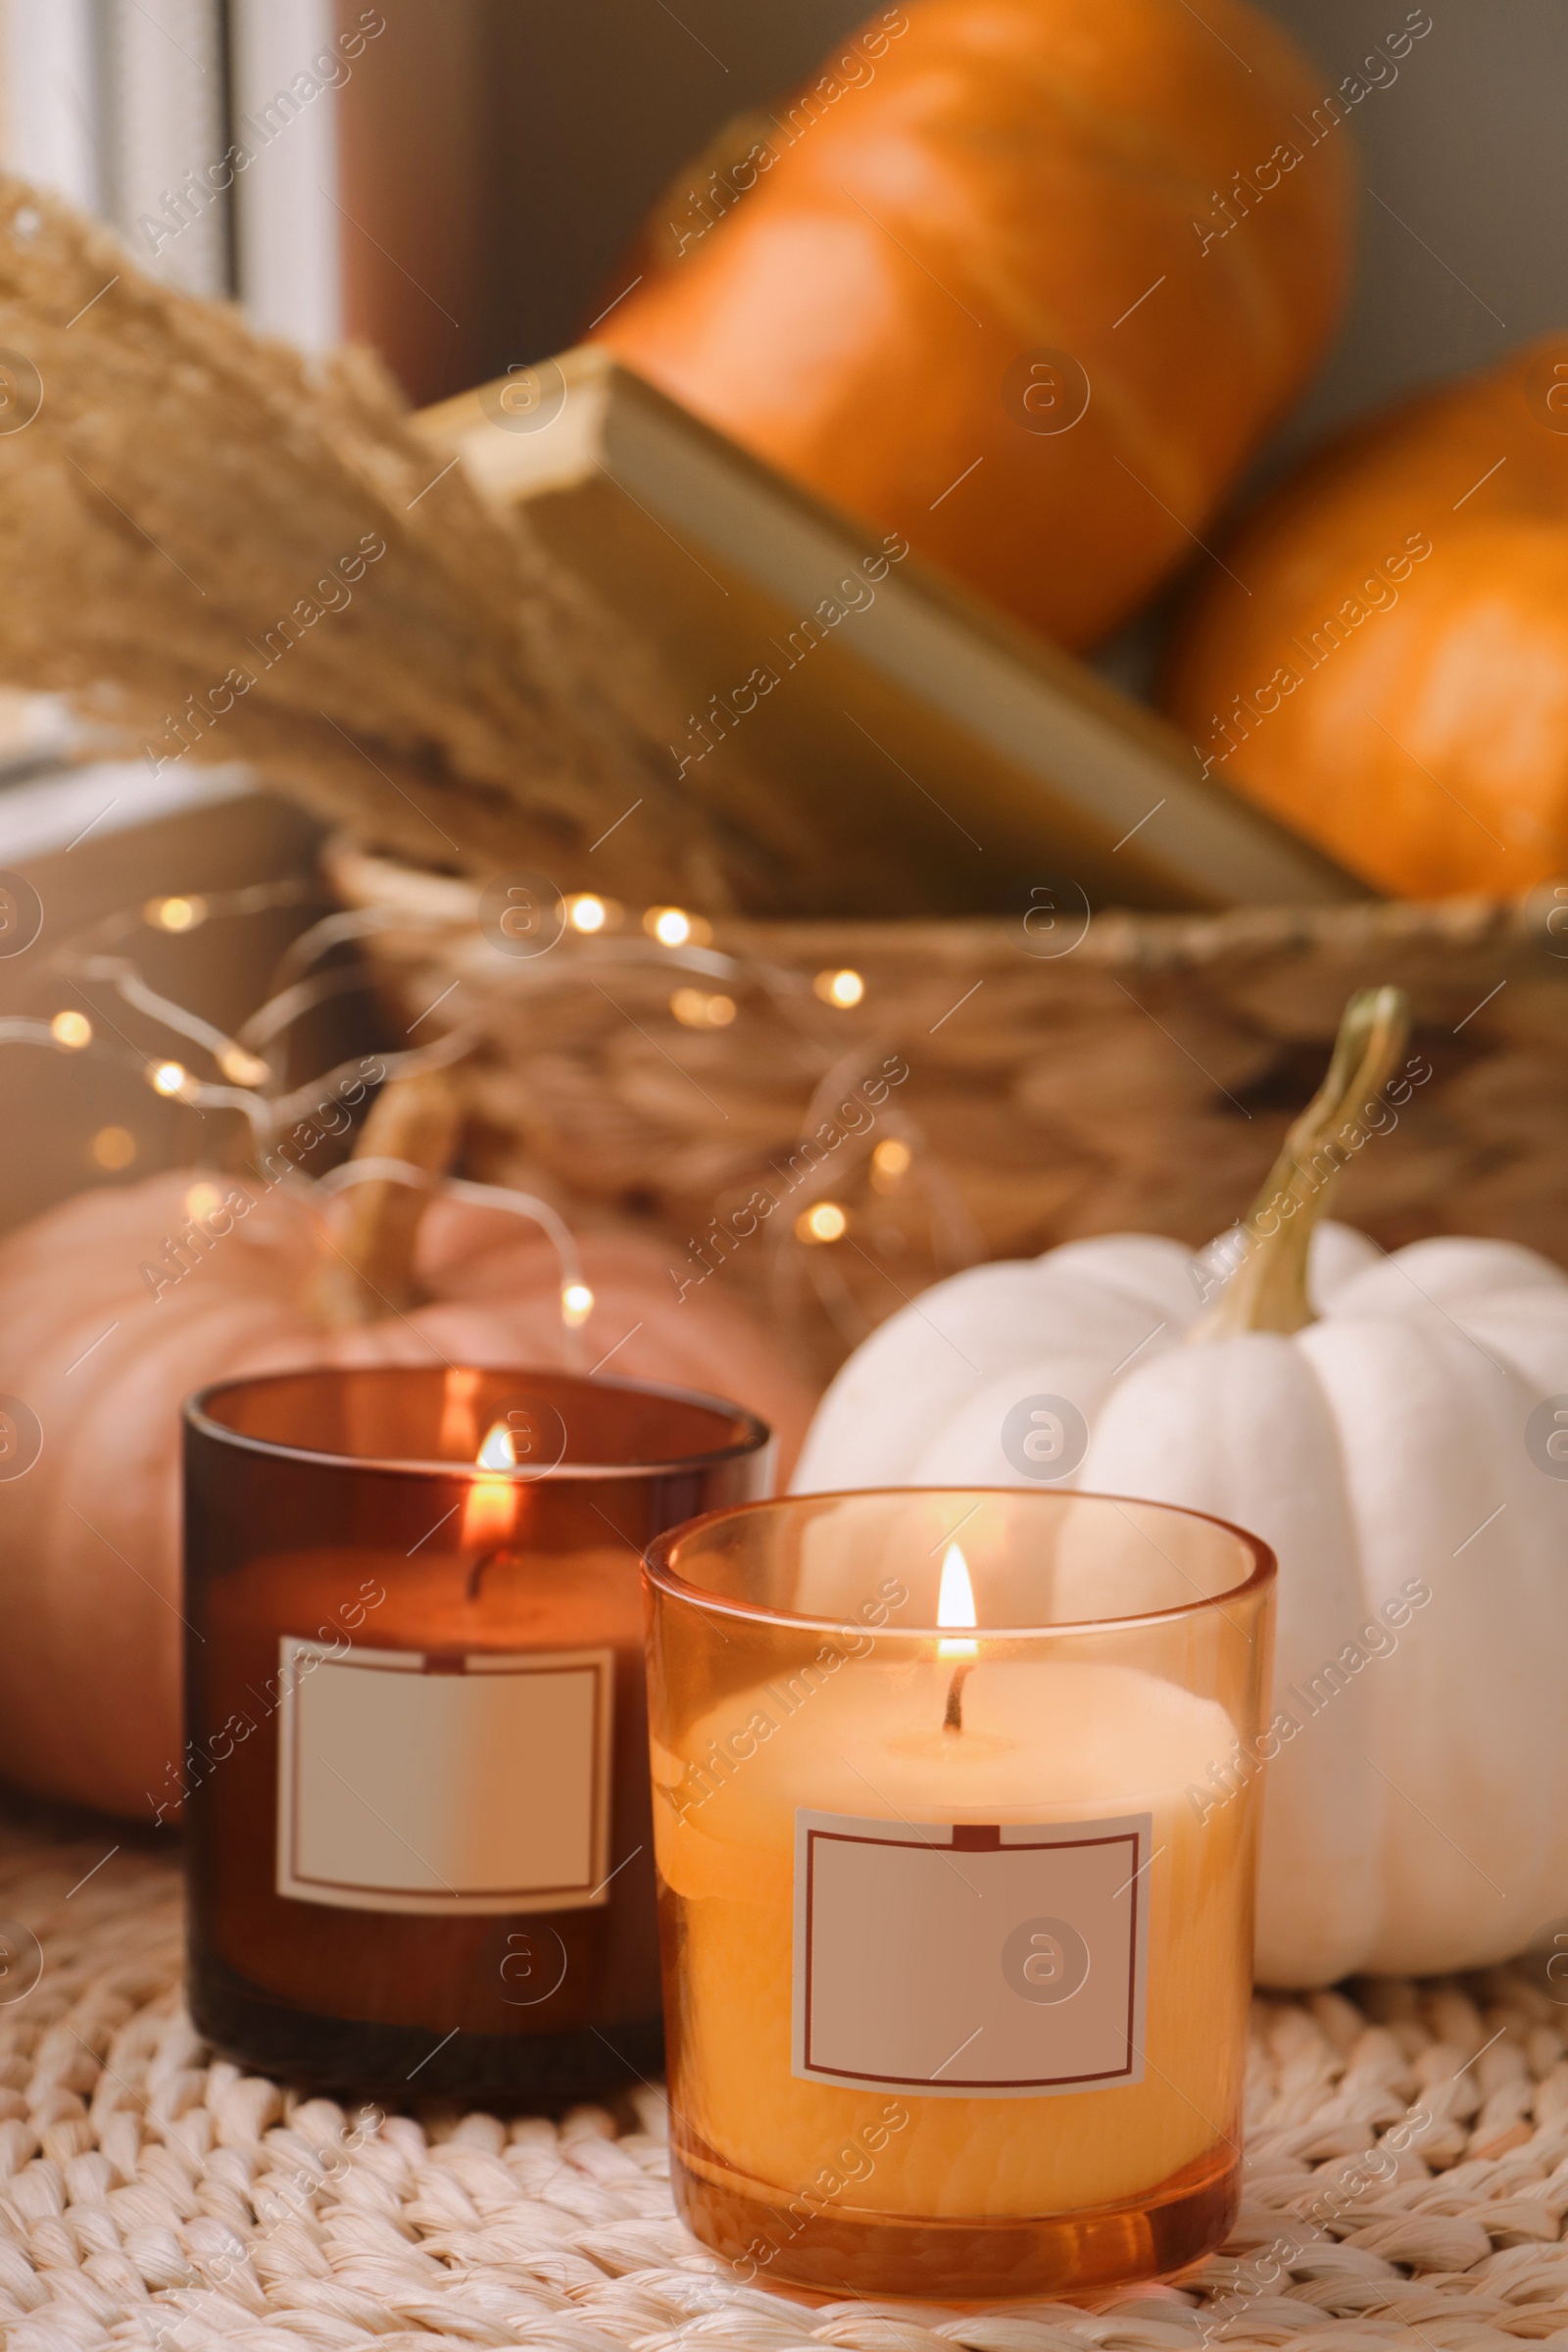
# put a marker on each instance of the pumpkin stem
(1268, 1291)
(370, 1267)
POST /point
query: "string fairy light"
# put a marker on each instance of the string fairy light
(176, 914)
(251, 1082)
(576, 1298)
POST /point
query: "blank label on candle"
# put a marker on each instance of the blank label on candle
(451, 1784)
(970, 1962)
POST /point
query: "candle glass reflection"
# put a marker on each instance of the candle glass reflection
(957, 1938)
(415, 1781)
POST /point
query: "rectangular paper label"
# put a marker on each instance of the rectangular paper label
(444, 1783)
(971, 1961)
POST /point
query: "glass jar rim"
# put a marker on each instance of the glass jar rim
(657, 1571)
(757, 1433)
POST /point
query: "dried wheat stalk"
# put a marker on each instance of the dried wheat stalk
(185, 505)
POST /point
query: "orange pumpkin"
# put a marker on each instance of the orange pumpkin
(89, 1535)
(902, 284)
(1388, 669)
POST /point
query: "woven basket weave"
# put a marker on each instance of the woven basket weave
(1066, 1075)
(1405, 2182)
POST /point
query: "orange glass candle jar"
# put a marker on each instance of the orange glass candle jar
(417, 1826)
(957, 1945)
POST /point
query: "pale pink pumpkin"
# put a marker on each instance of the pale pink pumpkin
(90, 1628)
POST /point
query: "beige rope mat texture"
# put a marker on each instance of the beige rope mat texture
(152, 2198)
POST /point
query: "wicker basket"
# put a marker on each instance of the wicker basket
(996, 1087)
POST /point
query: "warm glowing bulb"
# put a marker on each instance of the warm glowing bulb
(167, 1077)
(72, 1030)
(955, 1603)
(576, 1305)
(586, 913)
(825, 1222)
(246, 1069)
(176, 914)
(696, 1009)
(111, 1148)
(202, 1200)
(842, 989)
(671, 926)
(889, 1162)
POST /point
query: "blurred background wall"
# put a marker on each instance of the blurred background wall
(460, 197)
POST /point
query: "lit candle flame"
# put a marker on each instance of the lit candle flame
(498, 1452)
(490, 1511)
(955, 1603)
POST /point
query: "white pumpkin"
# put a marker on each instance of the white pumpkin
(1367, 1415)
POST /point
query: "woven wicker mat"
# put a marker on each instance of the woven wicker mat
(151, 2197)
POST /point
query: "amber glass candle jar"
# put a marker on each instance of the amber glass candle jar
(957, 1946)
(418, 1843)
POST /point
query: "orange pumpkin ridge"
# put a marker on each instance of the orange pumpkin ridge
(1412, 578)
(1012, 179)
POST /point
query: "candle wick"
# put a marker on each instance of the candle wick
(953, 1713)
(485, 1559)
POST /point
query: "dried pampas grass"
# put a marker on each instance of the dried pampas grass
(223, 551)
